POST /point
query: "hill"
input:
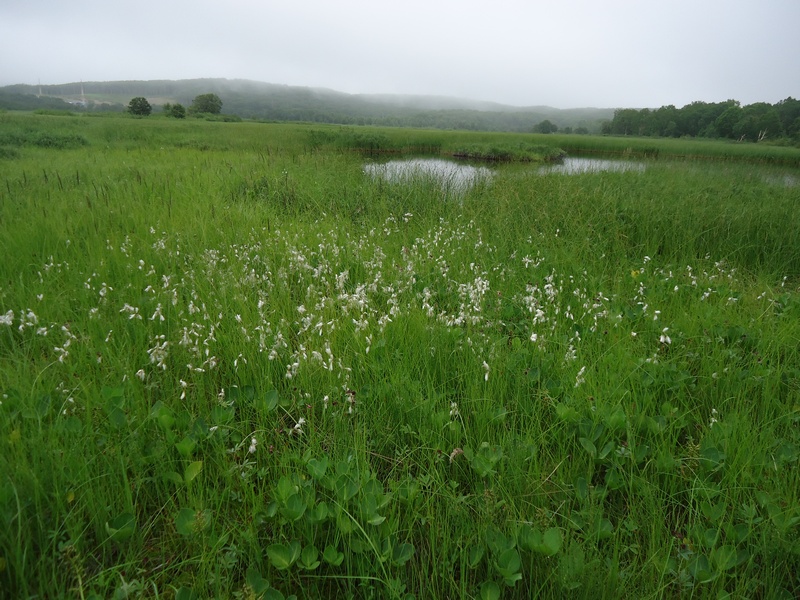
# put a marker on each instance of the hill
(269, 101)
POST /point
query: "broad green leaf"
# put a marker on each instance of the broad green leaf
(332, 556)
(294, 508)
(283, 556)
(173, 477)
(402, 553)
(581, 489)
(713, 512)
(376, 520)
(257, 583)
(273, 594)
(606, 450)
(192, 471)
(700, 569)
(346, 488)
(162, 415)
(727, 557)
(221, 415)
(188, 521)
(185, 593)
(109, 392)
(475, 555)
(589, 446)
(285, 489)
(551, 541)
(116, 416)
(616, 420)
(186, 446)
(508, 562)
(121, 527)
(309, 558)
(344, 523)
(567, 413)
(490, 591)
(316, 468)
(318, 514)
(604, 529)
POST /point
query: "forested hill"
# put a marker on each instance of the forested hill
(268, 101)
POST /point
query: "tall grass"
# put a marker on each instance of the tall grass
(234, 366)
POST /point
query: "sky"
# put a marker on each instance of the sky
(560, 53)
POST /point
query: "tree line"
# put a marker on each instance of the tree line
(729, 119)
(203, 104)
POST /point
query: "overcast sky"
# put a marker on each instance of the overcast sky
(562, 53)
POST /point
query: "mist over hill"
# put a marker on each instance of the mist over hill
(275, 102)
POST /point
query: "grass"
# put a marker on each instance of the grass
(234, 366)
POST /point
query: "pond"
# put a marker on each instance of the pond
(454, 177)
(576, 166)
(457, 176)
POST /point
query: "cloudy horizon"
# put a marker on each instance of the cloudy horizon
(577, 53)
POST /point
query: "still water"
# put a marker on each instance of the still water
(453, 177)
(457, 176)
(576, 166)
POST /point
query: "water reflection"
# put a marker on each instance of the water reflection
(452, 177)
(576, 166)
(783, 179)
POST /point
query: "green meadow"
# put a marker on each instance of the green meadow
(235, 365)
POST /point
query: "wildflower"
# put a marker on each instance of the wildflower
(140, 374)
(253, 444)
(454, 412)
(158, 353)
(133, 311)
(455, 454)
(62, 353)
(298, 427)
(486, 369)
(579, 378)
(665, 339)
(714, 419)
(157, 314)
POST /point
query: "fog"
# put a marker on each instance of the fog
(574, 53)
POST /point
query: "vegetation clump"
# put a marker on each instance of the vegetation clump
(510, 153)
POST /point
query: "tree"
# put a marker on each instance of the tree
(546, 127)
(176, 111)
(140, 107)
(206, 103)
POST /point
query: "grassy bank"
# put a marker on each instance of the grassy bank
(233, 366)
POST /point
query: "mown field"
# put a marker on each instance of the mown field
(232, 365)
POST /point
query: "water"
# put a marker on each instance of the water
(783, 179)
(453, 177)
(577, 166)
